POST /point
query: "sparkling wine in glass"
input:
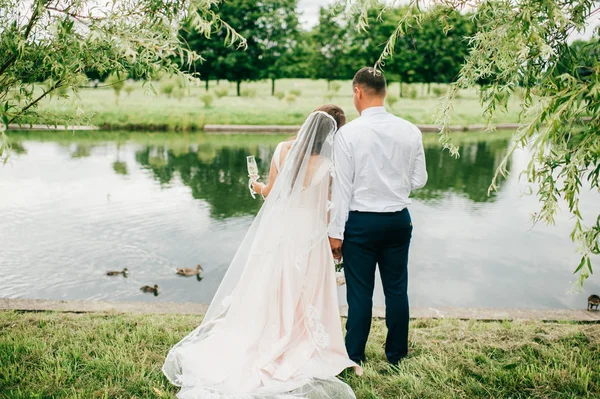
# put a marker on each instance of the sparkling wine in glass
(252, 167)
(252, 173)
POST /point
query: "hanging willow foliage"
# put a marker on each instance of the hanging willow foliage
(57, 41)
(523, 46)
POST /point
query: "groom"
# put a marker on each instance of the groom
(379, 159)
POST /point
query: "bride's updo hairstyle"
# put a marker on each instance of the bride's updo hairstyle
(322, 123)
(336, 112)
(340, 119)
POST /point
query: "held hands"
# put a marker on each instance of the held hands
(336, 248)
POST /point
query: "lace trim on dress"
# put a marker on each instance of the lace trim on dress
(332, 171)
(317, 329)
(330, 206)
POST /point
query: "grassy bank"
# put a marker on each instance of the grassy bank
(140, 111)
(185, 139)
(56, 355)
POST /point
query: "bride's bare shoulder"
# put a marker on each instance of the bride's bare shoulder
(285, 147)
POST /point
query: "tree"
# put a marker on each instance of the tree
(271, 32)
(468, 176)
(58, 40)
(403, 65)
(278, 36)
(442, 48)
(207, 67)
(334, 48)
(198, 168)
(426, 53)
(525, 43)
(299, 61)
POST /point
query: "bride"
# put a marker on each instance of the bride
(273, 329)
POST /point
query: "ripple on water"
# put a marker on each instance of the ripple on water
(65, 222)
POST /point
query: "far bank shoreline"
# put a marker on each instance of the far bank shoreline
(479, 314)
(235, 129)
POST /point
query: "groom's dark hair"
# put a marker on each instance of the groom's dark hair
(370, 80)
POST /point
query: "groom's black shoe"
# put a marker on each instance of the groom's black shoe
(396, 363)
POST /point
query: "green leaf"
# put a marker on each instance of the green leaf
(581, 264)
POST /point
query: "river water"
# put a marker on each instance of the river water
(75, 206)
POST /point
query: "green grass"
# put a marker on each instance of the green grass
(141, 111)
(57, 355)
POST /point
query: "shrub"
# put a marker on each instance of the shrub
(295, 92)
(280, 95)
(220, 93)
(116, 83)
(248, 93)
(181, 82)
(62, 91)
(207, 99)
(439, 91)
(391, 100)
(412, 93)
(290, 98)
(129, 88)
(179, 93)
(335, 86)
(167, 87)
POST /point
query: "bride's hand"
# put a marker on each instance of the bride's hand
(258, 187)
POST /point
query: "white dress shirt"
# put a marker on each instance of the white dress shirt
(379, 159)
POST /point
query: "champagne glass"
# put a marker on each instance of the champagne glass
(252, 167)
(252, 173)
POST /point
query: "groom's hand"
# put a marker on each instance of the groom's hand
(336, 248)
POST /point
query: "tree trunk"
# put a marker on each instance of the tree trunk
(429, 88)
(239, 83)
(328, 84)
(272, 86)
(401, 90)
(218, 81)
(206, 82)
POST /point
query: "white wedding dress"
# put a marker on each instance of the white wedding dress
(273, 329)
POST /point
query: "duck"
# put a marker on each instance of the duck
(150, 290)
(593, 302)
(186, 271)
(124, 272)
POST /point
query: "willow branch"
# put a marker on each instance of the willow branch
(32, 21)
(75, 16)
(37, 100)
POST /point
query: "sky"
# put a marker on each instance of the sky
(309, 10)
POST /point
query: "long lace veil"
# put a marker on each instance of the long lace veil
(273, 279)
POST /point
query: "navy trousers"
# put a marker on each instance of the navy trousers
(371, 239)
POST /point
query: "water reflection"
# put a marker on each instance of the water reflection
(216, 175)
(81, 151)
(120, 168)
(469, 175)
(16, 147)
(76, 206)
